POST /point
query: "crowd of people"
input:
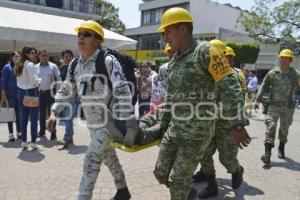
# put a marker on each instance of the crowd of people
(30, 74)
(42, 78)
(199, 80)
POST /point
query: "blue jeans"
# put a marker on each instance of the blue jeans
(27, 113)
(144, 105)
(68, 116)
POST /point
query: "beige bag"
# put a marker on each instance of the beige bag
(30, 101)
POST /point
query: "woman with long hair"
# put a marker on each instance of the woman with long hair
(9, 92)
(28, 83)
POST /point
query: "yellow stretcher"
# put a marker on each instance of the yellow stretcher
(134, 148)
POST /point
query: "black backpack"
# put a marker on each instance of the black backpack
(126, 61)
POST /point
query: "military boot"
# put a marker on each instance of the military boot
(237, 178)
(211, 189)
(281, 153)
(199, 177)
(266, 158)
(122, 194)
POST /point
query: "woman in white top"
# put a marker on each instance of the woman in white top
(28, 83)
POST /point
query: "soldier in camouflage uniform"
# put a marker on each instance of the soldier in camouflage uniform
(280, 86)
(224, 142)
(194, 72)
(230, 55)
(94, 103)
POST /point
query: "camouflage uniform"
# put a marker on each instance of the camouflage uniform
(94, 104)
(224, 142)
(193, 77)
(240, 75)
(281, 89)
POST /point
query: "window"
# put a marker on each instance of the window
(84, 6)
(152, 17)
(37, 2)
(150, 42)
(206, 38)
(146, 18)
(54, 3)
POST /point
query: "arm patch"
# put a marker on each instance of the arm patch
(219, 67)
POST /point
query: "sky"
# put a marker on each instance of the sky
(130, 14)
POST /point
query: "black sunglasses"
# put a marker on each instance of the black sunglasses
(85, 34)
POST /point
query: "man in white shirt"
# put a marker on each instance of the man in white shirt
(49, 73)
(252, 88)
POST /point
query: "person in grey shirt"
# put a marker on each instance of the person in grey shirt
(49, 73)
(95, 97)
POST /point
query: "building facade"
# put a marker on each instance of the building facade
(80, 9)
(212, 20)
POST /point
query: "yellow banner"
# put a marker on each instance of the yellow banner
(146, 55)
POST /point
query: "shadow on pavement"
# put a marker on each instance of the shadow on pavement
(287, 163)
(77, 149)
(46, 143)
(31, 156)
(14, 145)
(226, 192)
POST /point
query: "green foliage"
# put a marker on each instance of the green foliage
(160, 61)
(270, 19)
(108, 15)
(246, 53)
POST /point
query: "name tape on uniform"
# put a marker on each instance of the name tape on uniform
(218, 66)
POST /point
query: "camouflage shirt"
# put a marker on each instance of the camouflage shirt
(240, 75)
(280, 87)
(194, 78)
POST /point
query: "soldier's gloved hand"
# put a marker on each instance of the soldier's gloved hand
(51, 122)
(241, 137)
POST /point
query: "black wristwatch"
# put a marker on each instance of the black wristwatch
(238, 127)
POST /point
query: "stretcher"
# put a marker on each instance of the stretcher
(134, 148)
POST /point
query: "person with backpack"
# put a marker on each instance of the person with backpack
(280, 85)
(101, 82)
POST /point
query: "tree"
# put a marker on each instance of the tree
(109, 15)
(269, 20)
(246, 53)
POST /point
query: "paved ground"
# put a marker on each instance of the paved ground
(54, 175)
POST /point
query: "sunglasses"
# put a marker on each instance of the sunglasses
(85, 34)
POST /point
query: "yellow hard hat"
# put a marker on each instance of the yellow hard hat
(219, 44)
(229, 52)
(174, 16)
(93, 26)
(168, 48)
(286, 53)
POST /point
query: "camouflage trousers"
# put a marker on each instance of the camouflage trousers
(228, 150)
(177, 161)
(285, 115)
(99, 151)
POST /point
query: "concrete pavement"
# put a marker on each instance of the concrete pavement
(50, 174)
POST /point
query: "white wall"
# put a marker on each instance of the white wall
(214, 14)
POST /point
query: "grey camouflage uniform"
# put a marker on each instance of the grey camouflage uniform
(94, 104)
(281, 88)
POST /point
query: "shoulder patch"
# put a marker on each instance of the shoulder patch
(219, 67)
